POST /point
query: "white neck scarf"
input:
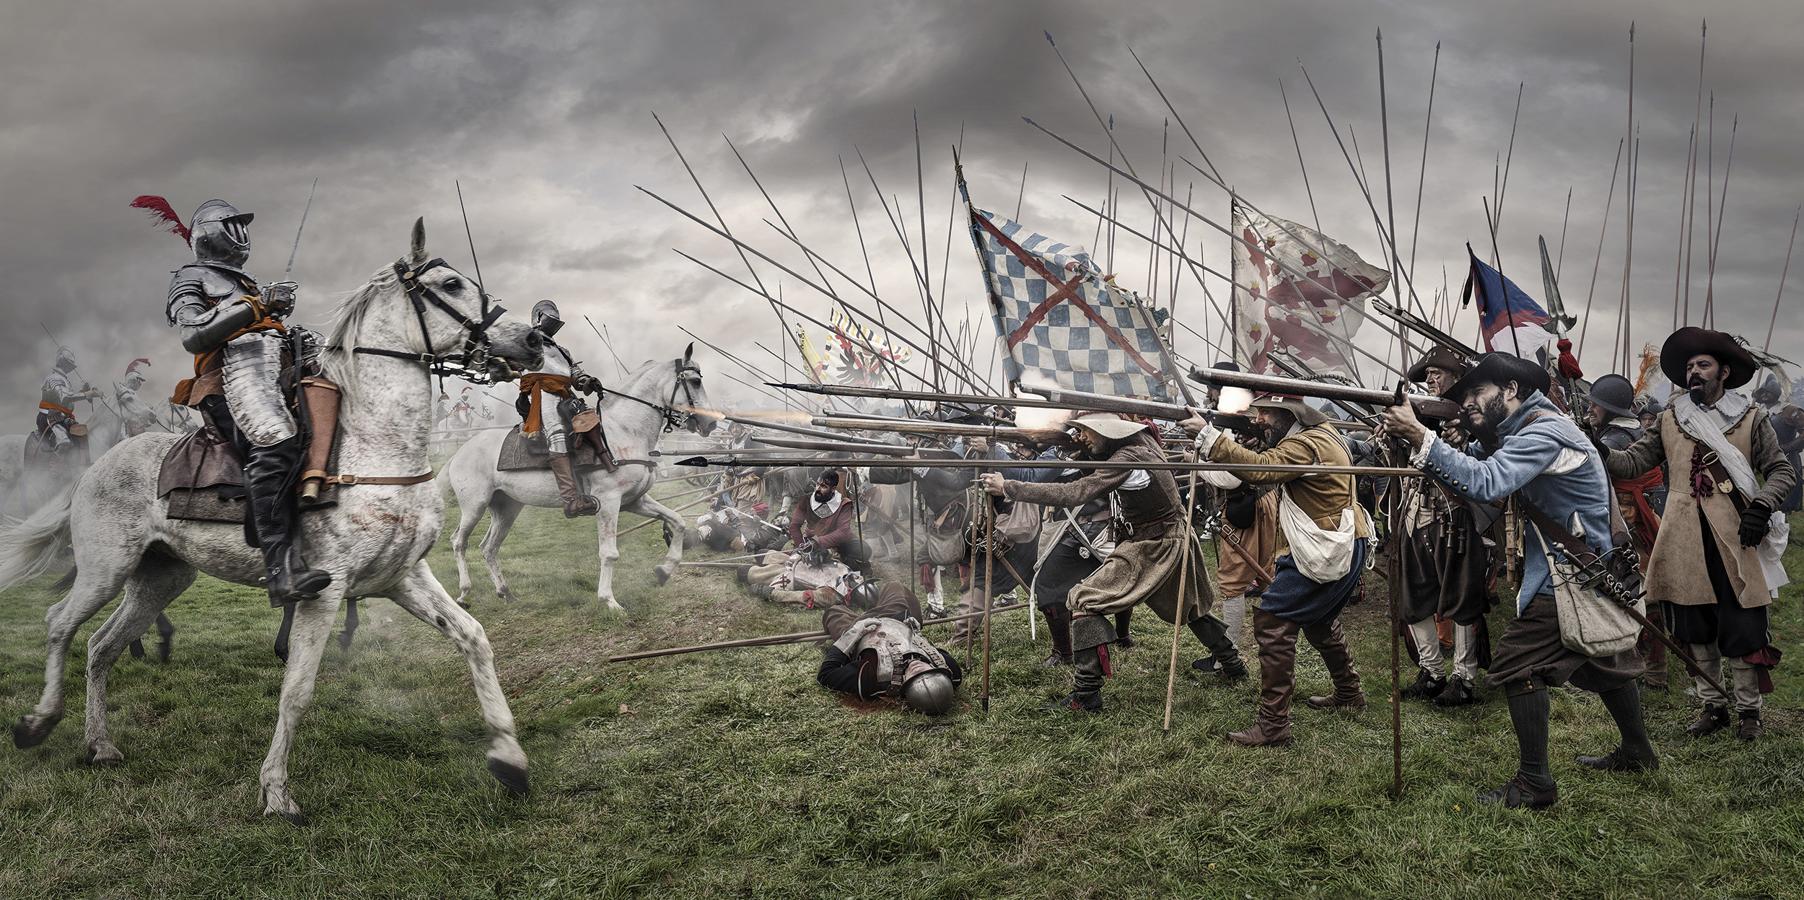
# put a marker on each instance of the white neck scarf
(828, 508)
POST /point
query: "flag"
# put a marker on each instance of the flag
(813, 359)
(862, 354)
(1297, 290)
(1511, 321)
(1060, 319)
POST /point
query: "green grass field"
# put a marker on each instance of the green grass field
(732, 774)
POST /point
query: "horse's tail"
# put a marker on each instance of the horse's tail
(34, 546)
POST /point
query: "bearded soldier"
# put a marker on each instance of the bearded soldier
(1310, 585)
(56, 409)
(1150, 544)
(1446, 566)
(1612, 423)
(138, 415)
(1731, 478)
(560, 378)
(234, 327)
(1534, 450)
(878, 649)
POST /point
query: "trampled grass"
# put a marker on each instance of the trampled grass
(732, 774)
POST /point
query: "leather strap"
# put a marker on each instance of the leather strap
(1719, 477)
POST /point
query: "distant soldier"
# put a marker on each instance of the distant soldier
(878, 649)
(1612, 423)
(560, 378)
(138, 415)
(56, 427)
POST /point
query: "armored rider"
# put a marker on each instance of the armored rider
(562, 378)
(235, 329)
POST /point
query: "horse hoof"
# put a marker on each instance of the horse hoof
(31, 731)
(296, 818)
(137, 648)
(511, 776)
(663, 573)
(163, 651)
(103, 753)
(506, 595)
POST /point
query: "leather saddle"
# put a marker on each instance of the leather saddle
(588, 448)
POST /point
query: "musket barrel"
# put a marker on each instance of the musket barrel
(1433, 407)
(933, 463)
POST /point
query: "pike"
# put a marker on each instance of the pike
(778, 640)
(846, 446)
(1043, 436)
(1430, 407)
(732, 460)
(468, 235)
(1050, 398)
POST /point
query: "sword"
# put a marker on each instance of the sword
(297, 232)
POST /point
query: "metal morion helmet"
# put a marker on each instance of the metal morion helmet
(927, 690)
(65, 359)
(545, 318)
(221, 234)
(1615, 394)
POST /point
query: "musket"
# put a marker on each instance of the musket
(1422, 327)
(1429, 408)
(1046, 436)
(303, 227)
(731, 460)
(837, 446)
(805, 432)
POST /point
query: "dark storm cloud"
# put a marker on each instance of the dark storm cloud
(543, 111)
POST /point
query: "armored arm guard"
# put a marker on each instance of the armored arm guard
(206, 307)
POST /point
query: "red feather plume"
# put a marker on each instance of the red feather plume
(164, 214)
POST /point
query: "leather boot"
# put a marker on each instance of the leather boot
(1709, 721)
(1749, 728)
(576, 503)
(269, 475)
(1089, 666)
(1277, 641)
(1328, 640)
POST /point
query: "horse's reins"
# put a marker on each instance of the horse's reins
(476, 337)
(475, 348)
(674, 417)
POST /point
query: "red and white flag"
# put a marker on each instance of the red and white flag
(1297, 290)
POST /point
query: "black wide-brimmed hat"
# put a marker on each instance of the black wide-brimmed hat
(1614, 394)
(1440, 357)
(1691, 341)
(1500, 369)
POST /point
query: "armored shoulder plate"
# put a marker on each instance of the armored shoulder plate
(206, 286)
(1617, 437)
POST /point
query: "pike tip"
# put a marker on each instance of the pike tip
(695, 462)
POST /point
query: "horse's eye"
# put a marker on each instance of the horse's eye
(454, 284)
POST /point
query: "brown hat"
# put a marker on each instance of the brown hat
(1441, 357)
(1691, 341)
(1306, 415)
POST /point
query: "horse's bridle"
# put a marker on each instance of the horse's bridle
(469, 362)
(674, 418)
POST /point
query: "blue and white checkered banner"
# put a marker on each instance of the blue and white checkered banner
(1061, 321)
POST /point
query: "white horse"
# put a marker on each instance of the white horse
(657, 397)
(373, 542)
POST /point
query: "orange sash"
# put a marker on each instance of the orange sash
(536, 386)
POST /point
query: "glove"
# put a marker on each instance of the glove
(278, 298)
(1756, 520)
(586, 384)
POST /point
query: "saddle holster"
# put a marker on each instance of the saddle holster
(318, 406)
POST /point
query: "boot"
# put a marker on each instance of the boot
(1710, 721)
(1427, 686)
(1277, 641)
(1459, 692)
(1058, 625)
(1635, 753)
(1749, 728)
(1089, 667)
(576, 503)
(1224, 659)
(1327, 640)
(1518, 793)
(269, 480)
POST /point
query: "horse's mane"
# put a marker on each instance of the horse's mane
(347, 325)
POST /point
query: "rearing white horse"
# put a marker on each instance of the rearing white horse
(656, 397)
(373, 542)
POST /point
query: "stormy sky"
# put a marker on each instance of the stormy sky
(544, 111)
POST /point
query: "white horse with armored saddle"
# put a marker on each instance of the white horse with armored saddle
(656, 398)
(373, 542)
